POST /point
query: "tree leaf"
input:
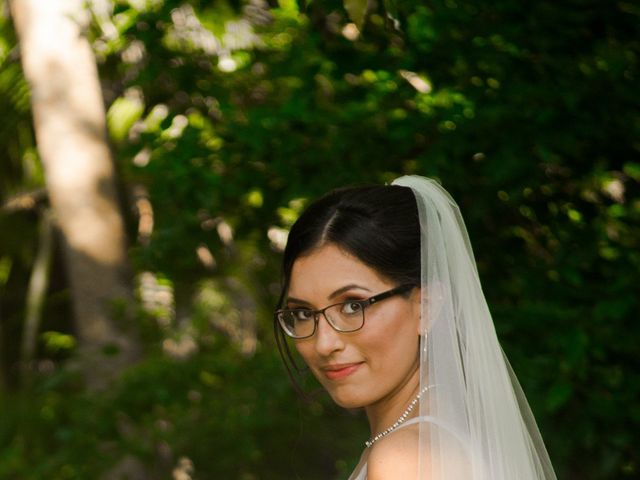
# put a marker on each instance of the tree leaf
(357, 10)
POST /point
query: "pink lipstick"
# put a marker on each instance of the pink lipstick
(334, 372)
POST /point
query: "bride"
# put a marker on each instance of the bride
(383, 302)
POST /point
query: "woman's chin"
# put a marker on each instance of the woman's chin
(345, 400)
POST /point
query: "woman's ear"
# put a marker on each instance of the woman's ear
(430, 306)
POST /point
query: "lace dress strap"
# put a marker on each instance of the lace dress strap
(423, 418)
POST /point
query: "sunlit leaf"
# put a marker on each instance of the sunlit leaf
(122, 114)
(57, 341)
(357, 10)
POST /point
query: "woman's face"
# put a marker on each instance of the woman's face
(357, 368)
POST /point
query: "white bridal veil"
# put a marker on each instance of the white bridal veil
(477, 422)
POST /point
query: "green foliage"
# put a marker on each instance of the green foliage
(230, 117)
(231, 416)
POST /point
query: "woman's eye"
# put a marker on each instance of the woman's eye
(351, 308)
(303, 315)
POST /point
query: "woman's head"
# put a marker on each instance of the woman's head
(350, 245)
(379, 225)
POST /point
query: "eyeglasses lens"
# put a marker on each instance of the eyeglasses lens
(344, 317)
(297, 323)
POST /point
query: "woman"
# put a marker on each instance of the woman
(382, 299)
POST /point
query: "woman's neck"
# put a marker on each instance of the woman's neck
(386, 411)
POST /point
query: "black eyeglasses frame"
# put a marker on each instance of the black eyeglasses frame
(316, 313)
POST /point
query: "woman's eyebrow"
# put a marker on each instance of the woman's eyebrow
(339, 291)
(346, 288)
(296, 300)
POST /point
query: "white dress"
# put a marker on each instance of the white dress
(361, 473)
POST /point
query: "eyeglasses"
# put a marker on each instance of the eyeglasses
(343, 317)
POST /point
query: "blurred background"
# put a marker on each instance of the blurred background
(154, 154)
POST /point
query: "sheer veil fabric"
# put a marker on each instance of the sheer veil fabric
(477, 424)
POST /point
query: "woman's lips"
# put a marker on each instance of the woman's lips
(334, 372)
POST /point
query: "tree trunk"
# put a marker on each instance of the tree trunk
(36, 294)
(69, 119)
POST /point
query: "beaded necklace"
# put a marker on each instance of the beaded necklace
(400, 420)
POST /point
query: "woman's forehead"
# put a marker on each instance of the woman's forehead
(329, 268)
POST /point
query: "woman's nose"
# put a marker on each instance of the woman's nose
(327, 339)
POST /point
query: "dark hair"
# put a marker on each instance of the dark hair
(379, 225)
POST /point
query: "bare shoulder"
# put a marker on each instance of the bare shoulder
(395, 456)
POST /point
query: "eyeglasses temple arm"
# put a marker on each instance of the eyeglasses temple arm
(390, 293)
